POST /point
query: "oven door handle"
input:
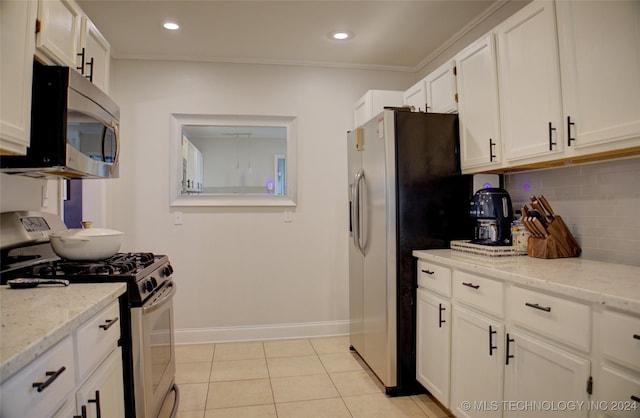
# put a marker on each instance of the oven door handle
(170, 290)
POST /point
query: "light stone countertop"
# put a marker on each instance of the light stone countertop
(608, 284)
(34, 320)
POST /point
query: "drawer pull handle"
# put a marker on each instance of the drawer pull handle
(428, 272)
(108, 323)
(440, 320)
(97, 402)
(509, 341)
(84, 412)
(52, 376)
(491, 346)
(636, 337)
(635, 398)
(536, 306)
(471, 285)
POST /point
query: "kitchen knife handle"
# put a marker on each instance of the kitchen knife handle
(471, 285)
(491, 346)
(508, 356)
(537, 306)
(440, 320)
(545, 204)
(569, 125)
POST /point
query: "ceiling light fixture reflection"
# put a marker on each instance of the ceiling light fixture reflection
(340, 35)
(171, 26)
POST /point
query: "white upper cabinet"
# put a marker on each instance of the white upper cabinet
(374, 102)
(440, 88)
(600, 67)
(416, 97)
(59, 34)
(97, 55)
(17, 42)
(480, 139)
(529, 84)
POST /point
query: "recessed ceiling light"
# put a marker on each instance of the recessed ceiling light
(171, 26)
(340, 35)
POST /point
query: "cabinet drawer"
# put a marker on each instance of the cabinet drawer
(615, 389)
(97, 338)
(563, 320)
(479, 292)
(22, 399)
(434, 277)
(620, 336)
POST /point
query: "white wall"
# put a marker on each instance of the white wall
(243, 273)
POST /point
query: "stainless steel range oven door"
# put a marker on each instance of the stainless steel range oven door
(153, 348)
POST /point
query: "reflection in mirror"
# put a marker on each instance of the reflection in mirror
(232, 160)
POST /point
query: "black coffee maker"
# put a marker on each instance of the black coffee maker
(492, 210)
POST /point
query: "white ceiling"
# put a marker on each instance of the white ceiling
(396, 34)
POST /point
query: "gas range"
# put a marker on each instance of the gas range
(143, 272)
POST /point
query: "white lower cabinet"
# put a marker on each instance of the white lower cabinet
(477, 365)
(79, 376)
(102, 393)
(434, 344)
(538, 371)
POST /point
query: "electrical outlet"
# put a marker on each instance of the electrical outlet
(177, 218)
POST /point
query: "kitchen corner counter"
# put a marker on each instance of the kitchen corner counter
(608, 284)
(34, 320)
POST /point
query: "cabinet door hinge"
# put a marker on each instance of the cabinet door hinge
(590, 385)
(455, 97)
(38, 25)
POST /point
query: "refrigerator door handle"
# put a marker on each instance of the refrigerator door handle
(357, 227)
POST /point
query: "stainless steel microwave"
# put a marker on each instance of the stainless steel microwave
(74, 129)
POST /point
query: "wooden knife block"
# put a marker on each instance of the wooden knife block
(560, 243)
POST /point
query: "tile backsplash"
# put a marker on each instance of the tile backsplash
(599, 202)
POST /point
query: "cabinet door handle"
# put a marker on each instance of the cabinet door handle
(83, 410)
(551, 143)
(491, 346)
(508, 356)
(569, 125)
(108, 323)
(491, 146)
(471, 285)
(97, 402)
(429, 272)
(536, 306)
(52, 376)
(81, 67)
(90, 75)
(440, 320)
(636, 337)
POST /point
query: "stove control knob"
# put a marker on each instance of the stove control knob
(154, 282)
(148, 286)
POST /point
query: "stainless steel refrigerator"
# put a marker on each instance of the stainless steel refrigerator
(405, 193)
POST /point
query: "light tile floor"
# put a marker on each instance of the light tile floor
(302, 378)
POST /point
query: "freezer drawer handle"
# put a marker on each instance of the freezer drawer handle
(491, 346)
(536, 306)
(440, 320)
(52, 376)
(108, 323)
(429, 272)
(636, 337)
(509, 341)
(471, 285)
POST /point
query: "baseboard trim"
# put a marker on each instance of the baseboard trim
(261, 332)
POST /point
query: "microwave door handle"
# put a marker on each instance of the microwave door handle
(116, 132)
